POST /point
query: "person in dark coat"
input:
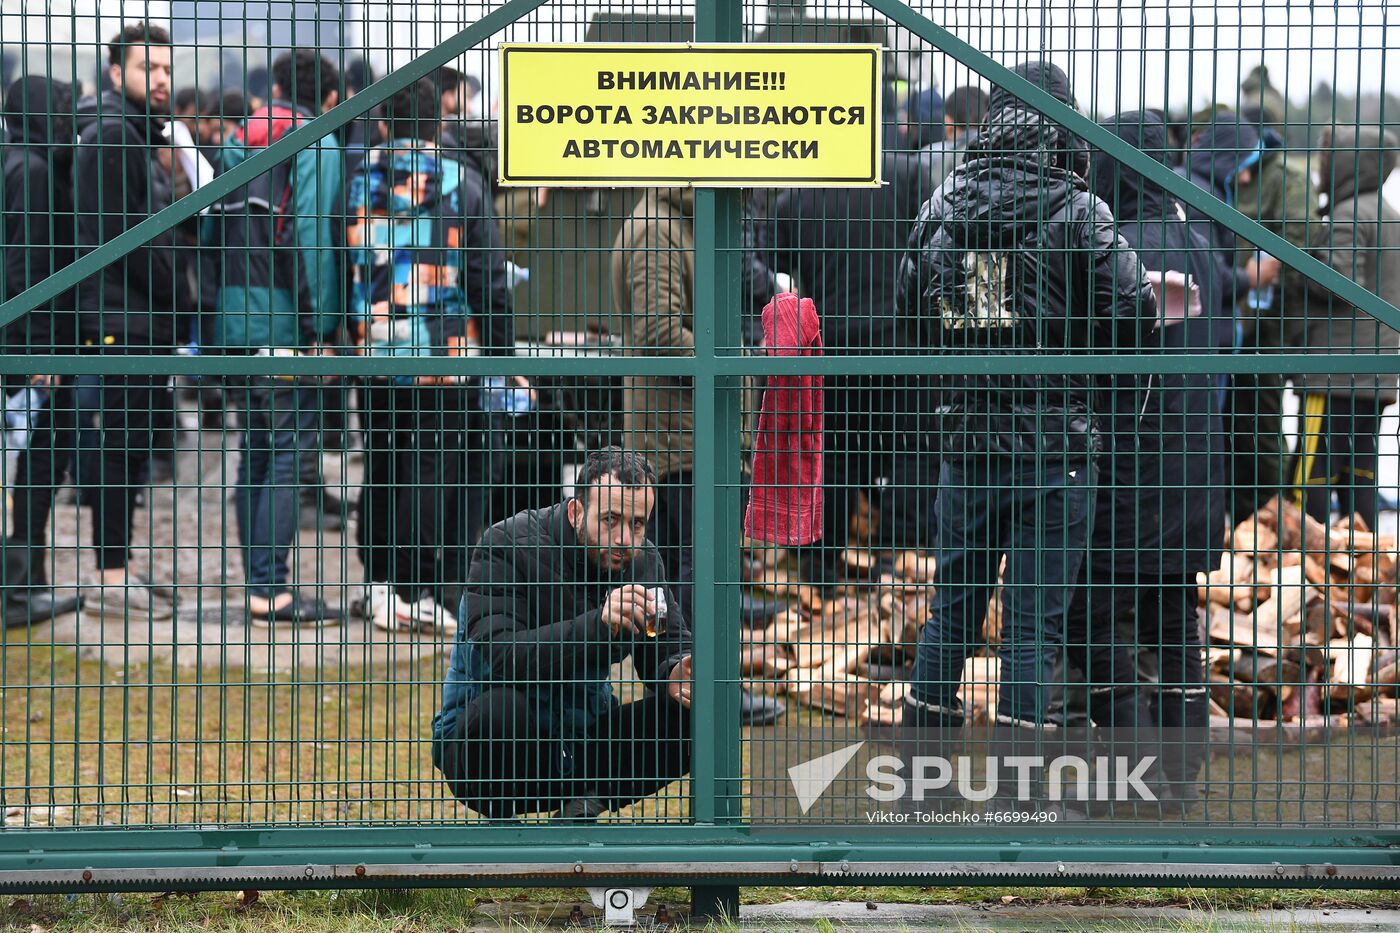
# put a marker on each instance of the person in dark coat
(1338, 449)
(1160, 517)
(39, 241)
(554, 598)
(842, 246)
(1245, 166)
(1014, 256)
(133, 305)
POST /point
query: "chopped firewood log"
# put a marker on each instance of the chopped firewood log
(981, 681)
(893, 694)
(808, 597)
(831, 691)
(1351, 660)
(1295, 529)
(912, 565)
(878, 714)
(1223, 660)
(898, 588)
(1254, 539)
(906, 618)
(789, 628)
(1382, 683)
(1277, 620)
(1235, 577)
(1267, 670)
(860, 562)
(1235, 698)
(1356, 521)
(764, 660)
(1228, 627)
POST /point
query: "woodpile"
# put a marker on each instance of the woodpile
(851, 655)
(1300, 620)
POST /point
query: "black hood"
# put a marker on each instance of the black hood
(1016, 130)
(1020, 169)
(1124, 190)
(39, 111)
(1044, 75)
(1224, 148)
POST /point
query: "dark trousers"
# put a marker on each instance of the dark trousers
(504, 766)
(413, 439)
(42, 464)
(126, 406)
(1040, 519)
(1254, 422)
(672, 530)
(278, 418)
(1165, 610)
(1337, 453)
(858, 428)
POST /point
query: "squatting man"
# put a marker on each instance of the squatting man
(555, 597)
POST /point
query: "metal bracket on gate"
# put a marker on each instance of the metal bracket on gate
(619, 905)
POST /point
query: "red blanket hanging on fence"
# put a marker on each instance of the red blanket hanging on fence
(785, 503)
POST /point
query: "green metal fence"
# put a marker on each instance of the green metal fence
(165, 736)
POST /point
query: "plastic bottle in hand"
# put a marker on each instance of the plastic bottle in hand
(498, 395)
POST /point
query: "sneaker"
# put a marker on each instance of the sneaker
(433, 618)
(126, 602)
(388, 612)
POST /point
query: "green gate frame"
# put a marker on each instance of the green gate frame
(716, 852)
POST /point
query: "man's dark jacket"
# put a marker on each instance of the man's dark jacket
(1160, 510)
(1015, 256)
(135, 299)
(531, 619)
(843, 246)
(38, 209)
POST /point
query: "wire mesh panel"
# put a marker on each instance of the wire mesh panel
(359, 504)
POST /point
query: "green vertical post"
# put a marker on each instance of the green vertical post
(717, 420)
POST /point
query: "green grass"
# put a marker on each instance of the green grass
(442, 911)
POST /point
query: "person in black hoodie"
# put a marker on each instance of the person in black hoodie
(133, 305)
(843, 246)
(1160, 516)
(1014, 256)
(39, 241)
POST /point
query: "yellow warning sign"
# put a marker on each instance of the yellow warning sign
(706, 115)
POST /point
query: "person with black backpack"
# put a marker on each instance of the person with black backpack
(279, 294)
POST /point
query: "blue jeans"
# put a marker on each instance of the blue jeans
(278, 418)
(1040, 519)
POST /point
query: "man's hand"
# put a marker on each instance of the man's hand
(627, 610)
(679, 683)
(1263, 272)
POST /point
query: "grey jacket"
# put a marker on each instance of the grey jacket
(1363, 243)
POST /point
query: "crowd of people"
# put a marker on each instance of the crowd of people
(1089, 500)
